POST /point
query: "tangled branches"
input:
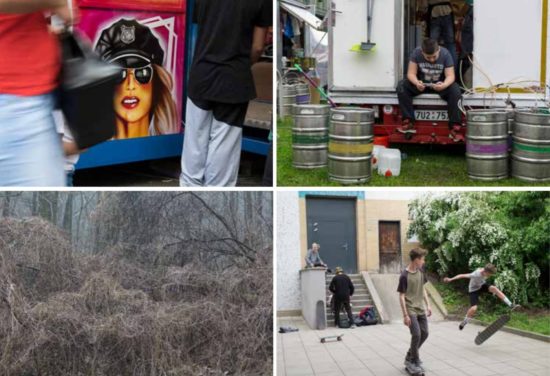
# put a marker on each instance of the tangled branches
(65, 313)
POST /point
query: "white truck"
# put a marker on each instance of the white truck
(510, 54)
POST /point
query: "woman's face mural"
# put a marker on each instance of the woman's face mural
(137, 51)
(134, 94)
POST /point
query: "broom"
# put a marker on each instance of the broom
(367, 46)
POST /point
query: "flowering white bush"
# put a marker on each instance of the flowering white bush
(464, 231)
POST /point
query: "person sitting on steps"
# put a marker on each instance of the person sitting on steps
(431, 70)
(313, 259)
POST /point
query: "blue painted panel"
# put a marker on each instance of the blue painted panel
(149, 148)
(357, 194)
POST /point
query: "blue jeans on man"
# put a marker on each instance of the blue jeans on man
(442, 27)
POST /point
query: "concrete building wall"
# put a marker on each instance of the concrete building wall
(288, 252)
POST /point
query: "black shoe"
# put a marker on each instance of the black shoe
(462, 325)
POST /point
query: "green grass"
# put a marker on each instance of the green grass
(426, 165)
(490, 308)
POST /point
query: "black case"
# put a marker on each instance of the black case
(86, 93)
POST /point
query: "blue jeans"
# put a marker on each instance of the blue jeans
(442, 27)
(31, 154)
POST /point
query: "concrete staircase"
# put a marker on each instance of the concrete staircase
(361, 297)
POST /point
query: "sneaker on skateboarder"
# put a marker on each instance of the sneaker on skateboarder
(478, 285)
(342, 289)
(415, 306)
(431, 70)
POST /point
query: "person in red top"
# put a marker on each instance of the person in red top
(30, 149)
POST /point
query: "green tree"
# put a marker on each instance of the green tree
(464, 231)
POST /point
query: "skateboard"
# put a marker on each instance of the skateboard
(410, 372)
(491, 329)
(338, 338)
(321, 321)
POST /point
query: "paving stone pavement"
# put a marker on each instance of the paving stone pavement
(380, 350)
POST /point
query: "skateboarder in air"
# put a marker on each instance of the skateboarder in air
(415, 306)
(478, 285)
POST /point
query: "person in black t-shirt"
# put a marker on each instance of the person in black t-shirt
(431, 70)
(342, 288)
(231, 36)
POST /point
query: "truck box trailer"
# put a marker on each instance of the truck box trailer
(510, 61)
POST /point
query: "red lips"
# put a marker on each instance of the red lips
(130, 103)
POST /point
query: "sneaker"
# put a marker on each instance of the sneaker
(456, 134)
(419, 364)
(515, 307)
(406, 127)
(462, 325)
(414, 369)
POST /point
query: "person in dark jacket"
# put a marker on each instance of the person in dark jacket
(342, 289)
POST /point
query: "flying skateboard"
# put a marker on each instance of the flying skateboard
(492, 329)
(338, 338)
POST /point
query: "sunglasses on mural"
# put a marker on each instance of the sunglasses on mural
(142, 75)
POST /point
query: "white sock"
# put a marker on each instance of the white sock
(466, 320)
(507, 301)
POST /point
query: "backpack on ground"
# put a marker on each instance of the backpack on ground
(367, 316)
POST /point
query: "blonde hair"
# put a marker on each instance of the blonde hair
(164, 107)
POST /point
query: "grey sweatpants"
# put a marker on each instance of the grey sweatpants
(419, 334)
(211, 150)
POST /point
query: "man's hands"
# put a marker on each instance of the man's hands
(420, 86)
(440, 86)
(407, 320)
(447, 280)
(429, 311)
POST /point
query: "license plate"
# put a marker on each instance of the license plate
(429, 115)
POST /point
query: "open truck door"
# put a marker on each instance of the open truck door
(510, 52)
(377, 70)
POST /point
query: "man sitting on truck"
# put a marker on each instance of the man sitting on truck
(431, 70)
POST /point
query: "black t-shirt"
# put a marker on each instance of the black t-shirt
(432, 72)
(221, 66)
(341, 286)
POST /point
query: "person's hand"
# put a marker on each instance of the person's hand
(429, 311)
(440, 86)
(68, 15)
(407, 320)
(420, 86)
(446, 280)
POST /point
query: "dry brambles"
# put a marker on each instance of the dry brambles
(125, 312)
